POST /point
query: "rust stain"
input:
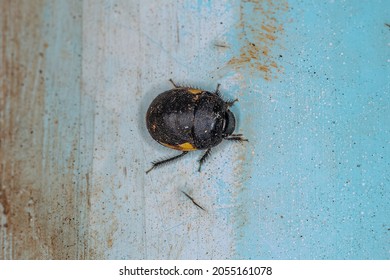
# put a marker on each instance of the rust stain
(37, 184)
(260, 28)
(21, 127)
(110, 242)
(88, 190)
(4, 200)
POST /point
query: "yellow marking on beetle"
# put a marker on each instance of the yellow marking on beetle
(187, 147)
(182, 147)
(194, 90)
(171, 146)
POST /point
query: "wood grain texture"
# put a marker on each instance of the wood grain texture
(40, 130)
(130, 57)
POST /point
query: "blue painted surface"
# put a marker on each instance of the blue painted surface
(313, 83)
(319, 180)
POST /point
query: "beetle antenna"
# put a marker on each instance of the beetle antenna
(173, 83)
(164, 161)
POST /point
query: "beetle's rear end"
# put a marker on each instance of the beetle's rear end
(170, 119)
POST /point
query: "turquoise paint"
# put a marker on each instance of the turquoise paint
(319, 185)
(64, 159)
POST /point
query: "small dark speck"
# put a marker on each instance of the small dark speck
(221, 22)
(280, 55)
(387, 24)
(358, 165)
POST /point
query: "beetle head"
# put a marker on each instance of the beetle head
(229, 123)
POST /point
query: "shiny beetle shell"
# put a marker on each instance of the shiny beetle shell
(188, 119)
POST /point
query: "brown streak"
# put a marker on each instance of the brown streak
(21, 128)
(264, 28)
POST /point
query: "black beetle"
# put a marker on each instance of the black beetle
(188, 119)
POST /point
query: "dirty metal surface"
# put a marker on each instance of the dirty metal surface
(312, 79)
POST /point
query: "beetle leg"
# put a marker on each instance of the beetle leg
(217, 90)
(236, 137)
(158, 163)
(173, 83)
(230, 103)
(203, 158)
